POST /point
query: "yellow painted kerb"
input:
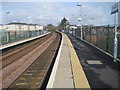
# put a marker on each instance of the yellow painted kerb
(79, 76)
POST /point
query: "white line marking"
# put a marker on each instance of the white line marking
(94, 62)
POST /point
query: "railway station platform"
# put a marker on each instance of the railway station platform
(67, 71)
(77, 65)
(81, 65)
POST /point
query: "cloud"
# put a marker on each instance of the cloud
(59, 0)
(96, 14)
(52, 12)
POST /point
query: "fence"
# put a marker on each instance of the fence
(100, 36)
(11, 36)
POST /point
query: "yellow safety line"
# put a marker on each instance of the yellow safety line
(79, 76)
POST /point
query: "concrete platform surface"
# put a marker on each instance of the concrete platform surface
(66, 68)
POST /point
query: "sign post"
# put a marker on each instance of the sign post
(114, 11)
(119, 14)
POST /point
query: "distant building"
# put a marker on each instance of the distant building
(16, 26)
(38, 27)
(1, 26)
(72, 28)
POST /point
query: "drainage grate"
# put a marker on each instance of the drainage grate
(94, 62)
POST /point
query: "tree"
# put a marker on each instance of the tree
(64, 22)
(51, 27)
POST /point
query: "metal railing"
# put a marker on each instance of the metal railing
(100, 36)
(11, 36)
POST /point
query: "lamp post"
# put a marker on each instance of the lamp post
(91, 30)
(28, 18)
(8, 36)
(72, 17)
(7, 13)
(80, 19)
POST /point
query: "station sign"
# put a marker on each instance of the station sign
(119, 14)
(114, 8)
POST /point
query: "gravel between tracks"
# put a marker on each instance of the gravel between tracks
(16, 68)
(37, 74)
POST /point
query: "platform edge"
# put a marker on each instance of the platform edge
(79, 76)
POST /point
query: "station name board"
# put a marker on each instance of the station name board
(114, 8)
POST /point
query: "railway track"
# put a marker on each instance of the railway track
(36, 73)
(28, 69)
(11, 55)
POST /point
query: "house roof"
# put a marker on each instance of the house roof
(19, 23)
(16, 23)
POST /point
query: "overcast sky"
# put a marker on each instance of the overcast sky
(52, 12)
